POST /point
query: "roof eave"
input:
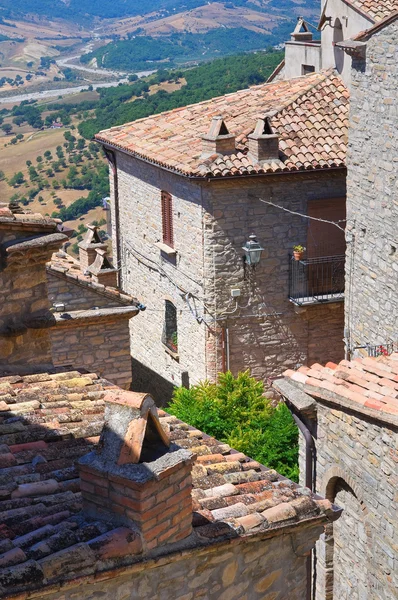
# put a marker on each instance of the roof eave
(211, 177)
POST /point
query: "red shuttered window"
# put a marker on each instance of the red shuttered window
(167, 219)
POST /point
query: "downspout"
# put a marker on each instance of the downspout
(310, 453)
(223, 344)
(227, 347)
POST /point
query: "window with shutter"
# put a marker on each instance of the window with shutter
(167, 219)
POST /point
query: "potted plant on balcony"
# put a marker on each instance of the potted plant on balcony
(298, 252)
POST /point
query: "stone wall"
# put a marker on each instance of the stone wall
(212, 221)
(282, 336)
(75, 296)
(153, 276)
(372, 195)
(99, 345)
(252, 569)
(24, 305)
(356, 467)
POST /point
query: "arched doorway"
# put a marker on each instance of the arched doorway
(343, 551)
(350, 560)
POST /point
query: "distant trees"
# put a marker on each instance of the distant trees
(206, 81)
(7, 128)
(16, 179)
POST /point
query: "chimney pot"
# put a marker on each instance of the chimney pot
(263, 144)
(88, 247)
(102, 269)
(218, 140)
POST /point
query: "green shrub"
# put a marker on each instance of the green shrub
(235, 411)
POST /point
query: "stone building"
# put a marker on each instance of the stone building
(153, 509)
(340, 20)
(188, 188)
(372, 201)
(349, 412)
(53, 313)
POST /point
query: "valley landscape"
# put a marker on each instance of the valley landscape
(67, 71)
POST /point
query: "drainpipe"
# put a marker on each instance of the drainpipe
(310, 451)
(227, 347)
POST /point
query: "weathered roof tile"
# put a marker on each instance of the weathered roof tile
(302, 111)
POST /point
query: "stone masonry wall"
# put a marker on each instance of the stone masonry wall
(75, 296)
(212, 221)
(357, 468)
(153, 277)
(22, 295)
(372, 195)
(102, 347)
(282, 336)
(249, 570)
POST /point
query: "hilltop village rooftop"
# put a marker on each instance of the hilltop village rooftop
(285, 126)
(153, 491)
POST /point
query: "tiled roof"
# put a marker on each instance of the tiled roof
(64, 265)
(25, 219)
(47, 422)
(364, 35)
(368, 384)
(375, 9)
(310, 115)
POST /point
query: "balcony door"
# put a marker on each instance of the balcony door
(326, 247)
(324, 239)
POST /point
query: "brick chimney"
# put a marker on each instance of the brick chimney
(102, 270)
(218, 140)
(263, 143)
(88, 247)
(136, 477)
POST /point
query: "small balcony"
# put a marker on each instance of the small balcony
(316, 280)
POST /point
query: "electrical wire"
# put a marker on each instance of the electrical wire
(293, 212)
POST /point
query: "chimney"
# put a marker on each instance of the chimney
(218, 140)
(102, 270)
(136, 477)
(88, 247)
(263, 144)
(301, 32)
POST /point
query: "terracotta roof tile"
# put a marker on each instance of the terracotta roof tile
(369, 382)
(44, 536)
(305, 112)
(375, 9)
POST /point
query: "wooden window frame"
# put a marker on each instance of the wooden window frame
(167, 219)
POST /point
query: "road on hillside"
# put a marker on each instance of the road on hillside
(66, 62)
(67, 91)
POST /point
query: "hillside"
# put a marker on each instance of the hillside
(55, 171)
(84, 11)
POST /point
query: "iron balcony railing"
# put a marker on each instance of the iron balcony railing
(316, 280)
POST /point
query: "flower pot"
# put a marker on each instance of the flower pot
(297, 255)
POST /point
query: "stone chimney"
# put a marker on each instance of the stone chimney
(301, 32)
(136, 477)
(263, 144)
(88, 247)
(102, 270)
(218, 140)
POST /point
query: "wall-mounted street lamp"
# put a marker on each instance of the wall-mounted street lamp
(252, 250)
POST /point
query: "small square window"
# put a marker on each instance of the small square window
(306, 69)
